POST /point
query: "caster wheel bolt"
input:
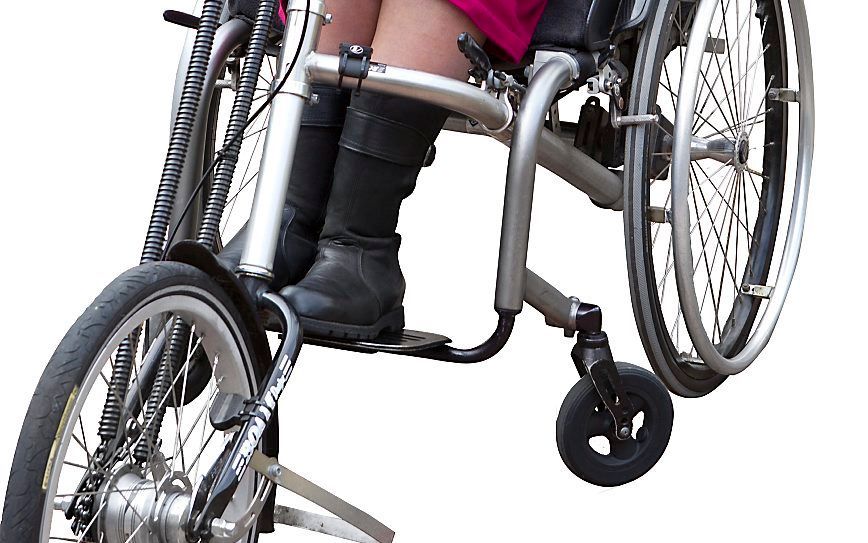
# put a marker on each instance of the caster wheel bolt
(624, 432)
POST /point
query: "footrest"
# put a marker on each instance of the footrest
(405, 341)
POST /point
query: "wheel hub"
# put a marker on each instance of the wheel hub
(135, 509)
(742, 152)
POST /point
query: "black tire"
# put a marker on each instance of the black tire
(583, 414)
(63, 378)
(685, 375)
(680, 378)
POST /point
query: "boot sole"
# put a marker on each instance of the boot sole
(390, 322)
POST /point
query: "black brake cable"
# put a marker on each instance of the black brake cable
(240, 133)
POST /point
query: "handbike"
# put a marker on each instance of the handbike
(155, 419)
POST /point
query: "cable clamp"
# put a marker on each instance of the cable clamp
(355, 61)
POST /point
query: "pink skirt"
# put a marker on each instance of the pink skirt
(508, 24)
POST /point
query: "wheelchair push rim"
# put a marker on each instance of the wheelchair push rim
(718, 349)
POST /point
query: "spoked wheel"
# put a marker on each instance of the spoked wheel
(111, 456)
(717, 188)
(586, 430)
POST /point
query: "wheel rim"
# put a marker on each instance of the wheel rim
(188, 442)
(724, 334)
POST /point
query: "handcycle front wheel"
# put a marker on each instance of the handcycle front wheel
(61, 487)
(717, 187)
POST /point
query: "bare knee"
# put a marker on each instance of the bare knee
(353, 21)
(422, 34)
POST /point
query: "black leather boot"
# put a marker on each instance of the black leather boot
(355, 288)
(309, 188)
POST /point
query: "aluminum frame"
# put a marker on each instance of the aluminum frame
(530, 143)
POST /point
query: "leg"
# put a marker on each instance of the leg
(354, 21)
(422, 34)
(355, 289)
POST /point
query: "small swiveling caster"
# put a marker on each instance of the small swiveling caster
(614, 424)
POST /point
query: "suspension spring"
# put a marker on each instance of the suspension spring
(222, 183)
(120, 380)
(161, 394)
(182, 131)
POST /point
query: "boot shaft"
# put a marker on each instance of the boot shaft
(308, 189)
(315, 156)
(386, 140)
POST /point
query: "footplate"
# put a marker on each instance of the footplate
(403, 342)
(351, 523)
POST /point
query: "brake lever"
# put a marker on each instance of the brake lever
(477, 56)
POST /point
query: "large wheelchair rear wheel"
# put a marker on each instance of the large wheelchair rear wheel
(717, 188)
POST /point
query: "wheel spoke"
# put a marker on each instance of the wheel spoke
(728, 61)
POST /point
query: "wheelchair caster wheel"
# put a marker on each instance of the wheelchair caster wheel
(586, 431)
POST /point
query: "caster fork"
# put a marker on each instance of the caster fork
(592, 356)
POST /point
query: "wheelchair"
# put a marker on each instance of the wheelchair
(155, 419)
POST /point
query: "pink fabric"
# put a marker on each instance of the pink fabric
(508, 24)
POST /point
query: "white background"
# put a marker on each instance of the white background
(440, 452)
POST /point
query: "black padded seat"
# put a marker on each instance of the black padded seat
(578, 25)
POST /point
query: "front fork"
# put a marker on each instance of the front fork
(252, 416)
(592, 356)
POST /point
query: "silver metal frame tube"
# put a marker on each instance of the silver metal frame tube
(558, 309)
(281, 137)
(559, 156)
(448, 93)
(520, 177)
(581, 171)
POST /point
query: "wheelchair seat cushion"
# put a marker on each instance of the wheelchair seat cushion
(579, 25)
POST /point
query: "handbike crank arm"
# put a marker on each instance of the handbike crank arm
(218, 486)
